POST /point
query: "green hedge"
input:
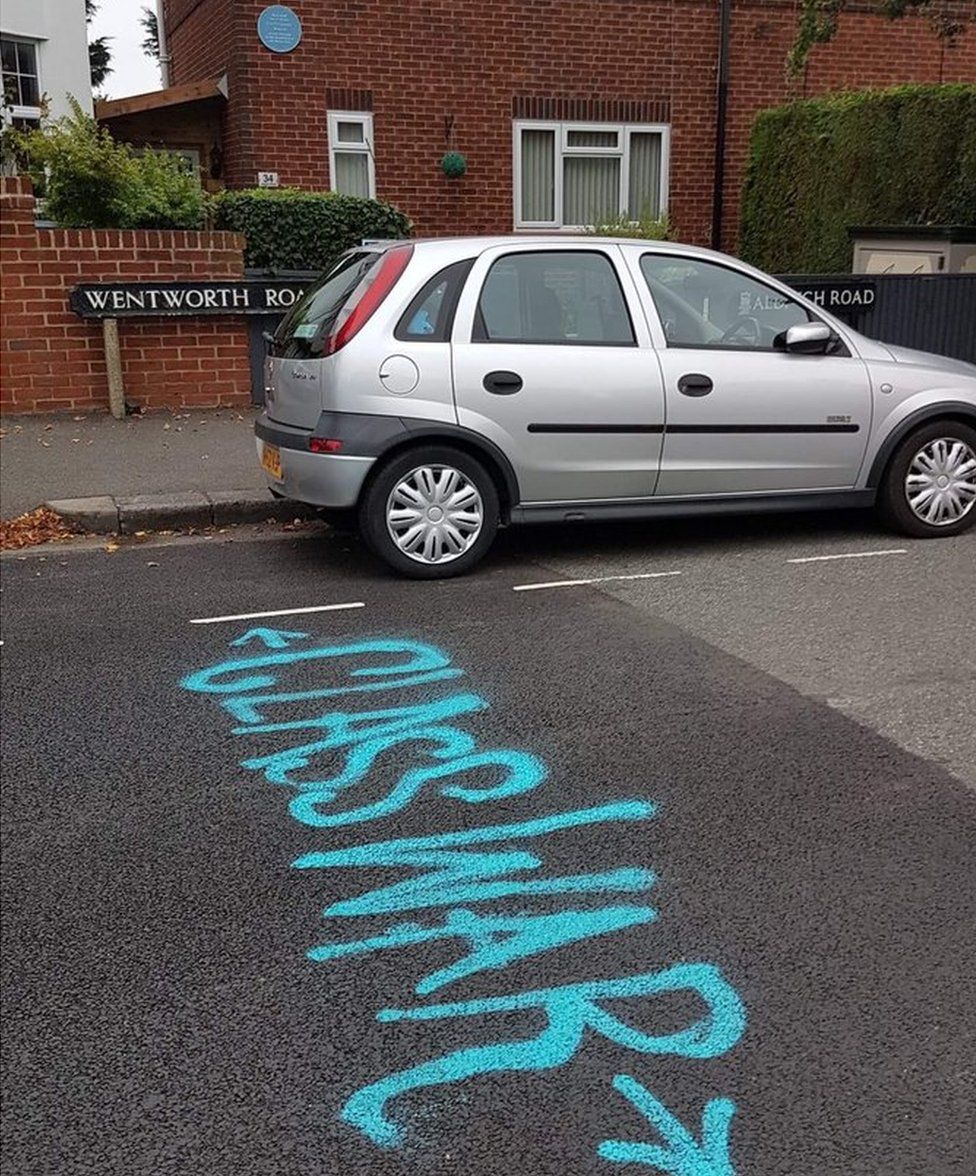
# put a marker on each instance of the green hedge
(289, 229)
(904, 156)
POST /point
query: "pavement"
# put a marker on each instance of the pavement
(158, 470)
(814, 881)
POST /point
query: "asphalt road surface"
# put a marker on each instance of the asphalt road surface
(684, 877)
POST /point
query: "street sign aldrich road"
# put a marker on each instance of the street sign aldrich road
(102, 300)
(838, 294)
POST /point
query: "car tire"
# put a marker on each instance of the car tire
(929, 488)
(444, 492)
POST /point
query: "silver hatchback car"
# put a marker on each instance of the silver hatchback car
(435, 390)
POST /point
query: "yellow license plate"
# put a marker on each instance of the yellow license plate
(271, 460)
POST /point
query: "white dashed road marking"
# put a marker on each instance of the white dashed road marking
(280, 612)
(849, 555)
(593, 580)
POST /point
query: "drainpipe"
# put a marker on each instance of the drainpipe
(164, 57)
(721, 118)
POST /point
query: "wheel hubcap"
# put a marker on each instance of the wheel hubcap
(434, 514)
(941, 482)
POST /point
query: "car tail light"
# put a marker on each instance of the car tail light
(375, 288)
(324, 444)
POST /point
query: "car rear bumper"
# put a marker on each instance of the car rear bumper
(320, 479)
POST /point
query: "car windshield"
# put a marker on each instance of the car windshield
(301, 333)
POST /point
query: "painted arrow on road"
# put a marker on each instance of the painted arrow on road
(272, 638)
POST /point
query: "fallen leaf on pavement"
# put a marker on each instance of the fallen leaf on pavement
(37, 526)
(111, 547)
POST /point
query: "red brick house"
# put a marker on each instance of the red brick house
(561, 108)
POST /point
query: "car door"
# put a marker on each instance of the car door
(743, 414)
(552, 362)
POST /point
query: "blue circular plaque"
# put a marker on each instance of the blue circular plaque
(279, 28)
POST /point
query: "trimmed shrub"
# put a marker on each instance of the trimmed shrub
(87, 180)
(289, 229)
(904, 156)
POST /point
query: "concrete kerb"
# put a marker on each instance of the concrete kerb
(175, 512)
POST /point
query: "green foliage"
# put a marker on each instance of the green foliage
(150, 29)
(99, 54)
(87, 180)
(645, 227)
(817, 25)
(904, 156)
(290, 229)
(818, 21)
(168, 195)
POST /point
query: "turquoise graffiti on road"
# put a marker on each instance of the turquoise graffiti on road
(568, 1011)
(272, 638)
(459, 875)
(333, 761)
(681, 1155)
(495, 940)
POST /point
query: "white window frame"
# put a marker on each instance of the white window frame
(365, 120)
(33, 112)
(562, 149)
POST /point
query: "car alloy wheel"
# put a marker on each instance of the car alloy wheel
(940, 485)
(434, 514)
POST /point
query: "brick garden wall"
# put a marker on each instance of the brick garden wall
(418, 65)
(51, 360)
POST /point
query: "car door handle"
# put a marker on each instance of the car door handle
(502, 383)
(695, 384)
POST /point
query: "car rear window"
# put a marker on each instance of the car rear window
(430, 316)
(301, 332)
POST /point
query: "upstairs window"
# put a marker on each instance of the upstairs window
(574, 175)
(21, 82)
(351, 153)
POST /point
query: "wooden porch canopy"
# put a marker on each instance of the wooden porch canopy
(201, 91)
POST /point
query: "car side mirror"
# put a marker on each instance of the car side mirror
(808, 338)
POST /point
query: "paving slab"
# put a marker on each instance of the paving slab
(59, 456)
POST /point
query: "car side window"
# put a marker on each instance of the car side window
(430, 315)
(558, 297)
(704, 304)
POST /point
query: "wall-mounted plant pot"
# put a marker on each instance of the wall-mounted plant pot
(454, 165)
